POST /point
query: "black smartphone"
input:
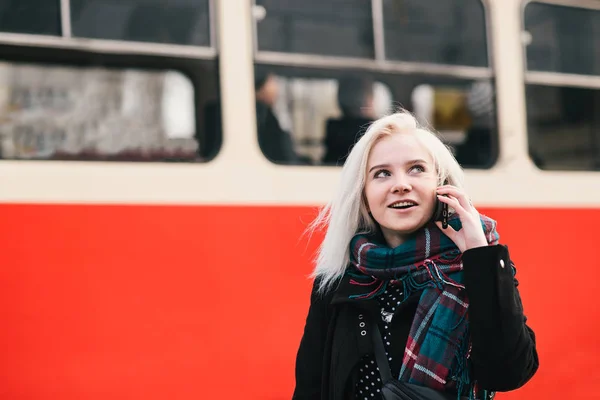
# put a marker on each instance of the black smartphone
(441, 213)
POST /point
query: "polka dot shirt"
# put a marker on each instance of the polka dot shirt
(369, 382)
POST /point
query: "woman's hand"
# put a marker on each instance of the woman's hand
(471, 235)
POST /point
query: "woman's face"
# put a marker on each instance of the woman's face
(400, 188)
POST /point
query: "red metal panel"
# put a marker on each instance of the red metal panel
(160, 302)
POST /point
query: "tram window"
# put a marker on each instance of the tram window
(562, 39)
(314, 116)
(50, 112)
(446, 32)
(40, 17)
(564, 127)
(294, 26)
(158, 21)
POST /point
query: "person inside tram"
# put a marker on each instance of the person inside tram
(414, 296)
(355, 99)
(275, 143)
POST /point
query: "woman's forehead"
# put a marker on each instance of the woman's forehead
(398, 149)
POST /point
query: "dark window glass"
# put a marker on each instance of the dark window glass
(563, 39)
(330, 27)
(314, 116)
(564, 127)
(157, 21)
(433, 31)
(109, 112)
(30, 16)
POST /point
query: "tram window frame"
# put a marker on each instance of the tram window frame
(64, 28)
(388, 79)
(260, 13)
(191, 68)
(561, 140)
(379, 43)
(379, 64)
(140, 39)
(480, 62)
(574, 97)
(557, 46)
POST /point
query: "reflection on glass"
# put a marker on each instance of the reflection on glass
(331, 28)
(95, 114)
(564, 127)
(563, 39)
(444, 32)
(40, 17)
(158, 21)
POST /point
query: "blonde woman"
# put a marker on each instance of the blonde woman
(440, 300)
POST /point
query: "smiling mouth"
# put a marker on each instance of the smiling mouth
(402, 205)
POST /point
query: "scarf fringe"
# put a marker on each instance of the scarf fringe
(461, 372)
(379, 290)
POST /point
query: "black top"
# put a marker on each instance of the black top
(334, 346)
(369, 380)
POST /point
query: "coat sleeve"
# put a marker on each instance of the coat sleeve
(311, 353)
(503, 353)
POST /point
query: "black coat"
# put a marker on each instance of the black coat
(341, 135)
(503, 351)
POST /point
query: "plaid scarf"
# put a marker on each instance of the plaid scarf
(436, 353)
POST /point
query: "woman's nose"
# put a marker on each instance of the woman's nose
(401, 186)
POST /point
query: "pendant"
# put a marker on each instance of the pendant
(386, 316)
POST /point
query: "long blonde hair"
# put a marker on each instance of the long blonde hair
(346, 214)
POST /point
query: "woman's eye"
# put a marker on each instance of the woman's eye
(417, 168)
(381, 173)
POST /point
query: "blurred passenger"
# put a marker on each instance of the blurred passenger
(405, 307)
(275, 143)
(355, 99)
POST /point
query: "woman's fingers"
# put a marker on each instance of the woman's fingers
(454, 203)
(456, 193)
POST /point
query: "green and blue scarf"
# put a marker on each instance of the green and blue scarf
(437, 350)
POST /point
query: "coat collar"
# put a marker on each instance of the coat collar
(345, 290)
